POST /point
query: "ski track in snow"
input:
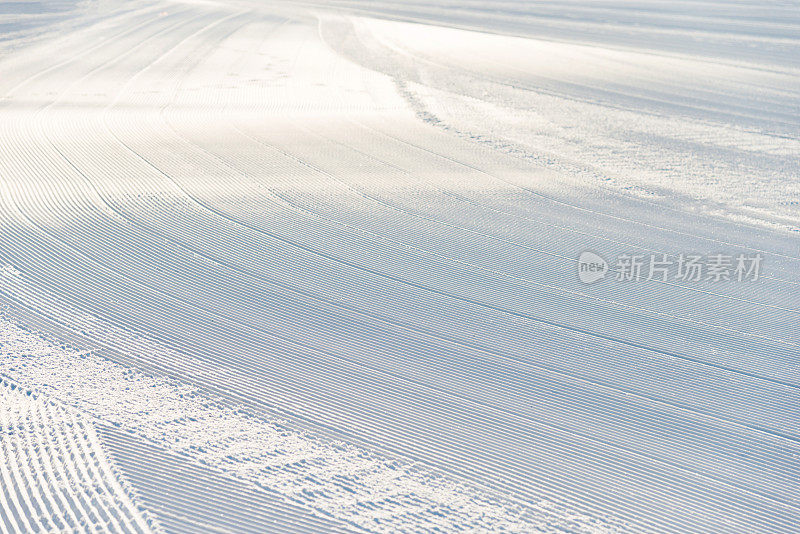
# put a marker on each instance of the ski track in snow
(312, 268)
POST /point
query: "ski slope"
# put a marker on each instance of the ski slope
(313, 267)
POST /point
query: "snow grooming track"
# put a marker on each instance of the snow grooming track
(310, 272)
(143, 418)
(56, 477)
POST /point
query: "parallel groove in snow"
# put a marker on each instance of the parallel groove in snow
(338, 479)
(83, 494)
(270, 224)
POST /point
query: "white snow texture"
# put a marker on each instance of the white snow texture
(313, 266)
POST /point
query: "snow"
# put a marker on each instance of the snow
(333, 478)
(314, 267)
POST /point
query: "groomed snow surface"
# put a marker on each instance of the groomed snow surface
(300, 267)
